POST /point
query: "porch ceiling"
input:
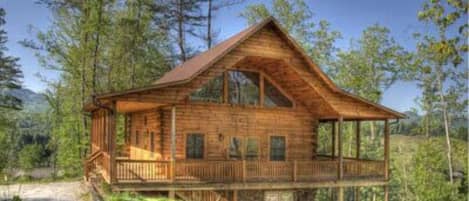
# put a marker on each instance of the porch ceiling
(134, 106)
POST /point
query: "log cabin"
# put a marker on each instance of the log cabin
(237, 122)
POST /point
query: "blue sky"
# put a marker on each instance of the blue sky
(348, 17)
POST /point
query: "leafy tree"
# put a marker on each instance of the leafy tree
(30, 156)
(10, 73)
(441, 51)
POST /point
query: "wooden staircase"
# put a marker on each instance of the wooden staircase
(91, 163)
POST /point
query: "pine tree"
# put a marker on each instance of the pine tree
(10, 73)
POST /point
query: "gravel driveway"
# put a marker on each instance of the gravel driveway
(56, 191)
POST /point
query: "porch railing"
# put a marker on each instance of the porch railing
(244, 171)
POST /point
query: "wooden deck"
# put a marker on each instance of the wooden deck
(147, 171)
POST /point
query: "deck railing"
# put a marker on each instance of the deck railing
(128, 170)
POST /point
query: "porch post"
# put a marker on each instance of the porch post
(358, 139)
(112, 142)
(386, 193)
(333, 133)
(339, 139)
(386, 149)
(173, 142)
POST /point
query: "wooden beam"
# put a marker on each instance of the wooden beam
(173, 142)
(261, 90)
(386, 149)
(225, 87)
(333, 133)
(339, 139)
(358, 140)
(340, 192)
(112, 142)
(386, 193)
(235, 195)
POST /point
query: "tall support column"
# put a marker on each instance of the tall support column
(386, 149)
(340, 196)
(386, 193)
(173, 141)
(358, 139)
(112, 141)
(333, 133)
(339, 139)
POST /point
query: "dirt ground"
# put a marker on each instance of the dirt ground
(56, 191)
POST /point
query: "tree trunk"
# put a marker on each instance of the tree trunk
(181, 31)
(445, 121)
(209, 25)
(96, 46)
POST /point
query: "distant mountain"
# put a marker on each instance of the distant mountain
(32, 101)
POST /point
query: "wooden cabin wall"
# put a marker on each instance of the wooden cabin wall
(142, 150)
(218, 123)
(98, 130)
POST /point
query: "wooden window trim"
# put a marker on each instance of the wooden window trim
(286, 146)
(204, 155)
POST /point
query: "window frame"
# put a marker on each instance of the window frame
(261, 76)
(204, 144)
(270, 147)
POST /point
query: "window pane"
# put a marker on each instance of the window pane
(243, 87)
(195, 146)
(152, 141)
(235, 148)
(210, 92)
(273, 97)
(252, 148)
(277, 148)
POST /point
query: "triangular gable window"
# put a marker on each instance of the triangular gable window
(273, 97)
(243, 88)
(210, 92)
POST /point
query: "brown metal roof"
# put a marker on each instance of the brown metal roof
(195, 65)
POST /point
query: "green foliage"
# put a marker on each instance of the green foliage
(10, 73)
(30, 156)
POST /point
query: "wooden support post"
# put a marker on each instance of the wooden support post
(225, 87)
(173, 143)
(333, 133)
(261, 90)
(244, 170)
(112, 142)
(295, 170)
(172, 194)
(357, 193)
(358, 140)
(339, 139)
(340, 196)
(235, 195)
(386, 149)
(386, 193)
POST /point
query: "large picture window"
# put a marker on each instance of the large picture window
(195, 146)
(273, 97)
(243, 87)
(210, 92)
(277, 148)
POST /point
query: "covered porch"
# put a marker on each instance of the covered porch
(120, 169)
